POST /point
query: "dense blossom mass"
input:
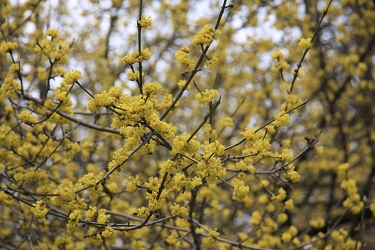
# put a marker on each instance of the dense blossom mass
(187, 124)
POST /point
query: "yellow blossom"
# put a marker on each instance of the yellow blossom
(143, 212)
(282, 217)
(6, 47)
(281, 65)
(281, 194)
(152, 88)
(298, 72)
(240, 191)
(206, 35)
(39, 209)
(108, 232)
(74, 219)
(305, 43)
(183, 60)
(317, 223)
(132, 184)
(91, 213)
(288, 204)
(136, 57)
(26, 117)
(10, 87)
(72, 76)
(133, 76)
(277, 54)
(145, 21)
(227, 121)
(14, 67)
(207, 96)
(293, 176)
(281, 119)
(115, 91)
(52, 33)
(102, 216)
(211, 64)
(319, 151)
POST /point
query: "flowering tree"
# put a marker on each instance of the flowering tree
(187, 124)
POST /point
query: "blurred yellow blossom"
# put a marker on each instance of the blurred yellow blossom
(305, 43)
(39, 209)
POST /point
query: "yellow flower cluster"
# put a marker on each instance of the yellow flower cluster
(10, 87)
(183, 59)
(104, 99)
(256, 143)
(72, 76)
(342, 169)
(74, 219)
(91, 213)
(211, 133)
(211, 64)
(14, 67)
(207, 96)
(206, 35)
(136, 57)
(288, 204)
(287, 156)
(280, 196)
(152, 88)
(66, 194)
(95, 239)
(354, 200)
(214, 147)
(282, 217)
(210, 168)
(250, 134)
(299, 73)
(372, 208)
(173, 241)
(6, 47)
(342, 241)
(180, 145)
(319, 151)
(132, 184)
(103, 217)
(209, 242)
(256, 218)
(280, 65)
(317, 223)
(90, 180)
(133, 76)
(182, 181)
(294, 176)
(277, 54)
(145, 21)
(305, 43)
(143, 212)
(281, 120)
(26, 117)
(240, 191)
(6, 199)
(62, 95)
(55, 50)
(227, 121)
(108, 232)
(39, 209)
(52, 33)
(288, 235)
(176, 209)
